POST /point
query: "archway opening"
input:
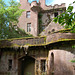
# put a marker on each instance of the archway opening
(28, 66)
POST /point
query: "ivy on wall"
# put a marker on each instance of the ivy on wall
(40, 21)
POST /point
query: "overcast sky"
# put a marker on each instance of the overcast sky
(52, 2)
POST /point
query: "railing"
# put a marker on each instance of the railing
(37, 41)
(22, 42)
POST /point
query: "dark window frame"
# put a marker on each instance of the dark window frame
(28, 27)
(43, 65)
(10, 64)
(28, 13)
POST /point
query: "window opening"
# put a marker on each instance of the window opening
(9, 64)
(28, 27)
(53, 30)
(55, 14)
(28, 14)
(43, 65)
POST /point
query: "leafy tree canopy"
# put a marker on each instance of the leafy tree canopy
(67, 19)
(8, 15)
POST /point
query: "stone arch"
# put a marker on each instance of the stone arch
(26, 66)
(62, 62)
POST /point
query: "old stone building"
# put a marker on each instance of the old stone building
(39, 55)
(48, 54)
(38, 16)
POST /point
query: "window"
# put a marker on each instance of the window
(55, 14)
(9, 64)
(43, 65)
(28, 27)
(53, 30)
(28, 14)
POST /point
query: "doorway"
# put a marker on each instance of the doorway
(28, 66)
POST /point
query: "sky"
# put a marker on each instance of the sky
(52, 2)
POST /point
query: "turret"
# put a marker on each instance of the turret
(35, 6)
(42, 3)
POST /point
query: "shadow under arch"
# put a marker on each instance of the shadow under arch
(26, 66)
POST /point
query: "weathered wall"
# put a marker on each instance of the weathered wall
(48, 15)
(18, 42)
(52, 27)
(62, 62)
(58, 58)
(60, 37)
(37, 7)
(37, 54)
(4, 67)
(33, 18)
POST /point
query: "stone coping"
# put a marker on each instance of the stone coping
(37, 41)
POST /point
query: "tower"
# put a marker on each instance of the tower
(42, 3)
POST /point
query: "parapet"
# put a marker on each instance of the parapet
(56, 6)
(35, 6)
(59, 6)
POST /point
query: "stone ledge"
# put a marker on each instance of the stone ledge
(39, 41)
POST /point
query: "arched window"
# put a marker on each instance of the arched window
(52, 64)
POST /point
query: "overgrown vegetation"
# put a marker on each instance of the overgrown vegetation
(17, 34)
(67, 19)
(40, 22)
(9, 14)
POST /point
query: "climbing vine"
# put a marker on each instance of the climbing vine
(40, 21)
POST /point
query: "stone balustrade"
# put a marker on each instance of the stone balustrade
(37, 41)
(22, 42)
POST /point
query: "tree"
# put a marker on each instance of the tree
(8, 15)
(67, 19)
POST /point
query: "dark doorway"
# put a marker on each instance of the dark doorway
(28, 66)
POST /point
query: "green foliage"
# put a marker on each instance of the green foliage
(67, 19)
(17, 34)
(73, 46)
(27, 73)
(40, 21)
(73, 61)
(8, 15)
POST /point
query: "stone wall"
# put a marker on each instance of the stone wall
(23, 20)
(61, 55)
(57, 58)
(4, 63)
(34, 9)
(59, 37)
(22, 42)
(62, 62)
